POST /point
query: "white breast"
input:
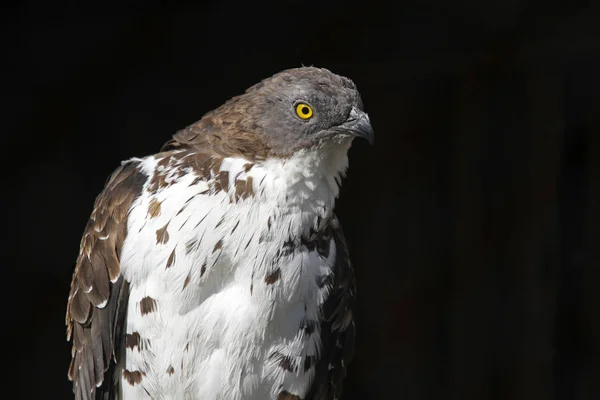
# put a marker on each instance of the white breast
(216, 306)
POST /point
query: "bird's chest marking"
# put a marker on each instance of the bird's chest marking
(228, 265)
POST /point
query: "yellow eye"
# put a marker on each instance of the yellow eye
(304, 111)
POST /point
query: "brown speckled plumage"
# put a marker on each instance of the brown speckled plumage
(96, 308)
(97, 332)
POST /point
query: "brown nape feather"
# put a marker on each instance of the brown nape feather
(226, 131)
(96, 332)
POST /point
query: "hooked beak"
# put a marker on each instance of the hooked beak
(358, 125)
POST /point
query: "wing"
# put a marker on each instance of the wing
(337, 326)
(98, 297)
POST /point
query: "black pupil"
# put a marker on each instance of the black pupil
(305, 110)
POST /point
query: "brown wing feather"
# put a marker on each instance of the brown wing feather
(337, 325)
(98, 297)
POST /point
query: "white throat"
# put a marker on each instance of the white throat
(309, 178)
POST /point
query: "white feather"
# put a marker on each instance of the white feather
(217, 333)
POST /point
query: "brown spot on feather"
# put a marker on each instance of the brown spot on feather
(215, 167)
(171, 259)
(132, 340)
(164, 162)
(218, 245)
(224, 180)
(158, 181)
(147, 305)
(132, 377)
(170, 370)
(162, 235)
(273, 277)
(154, 208)
(187, 281)
(283, 361)
(243, 188)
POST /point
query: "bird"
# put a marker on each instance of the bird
(217, 267)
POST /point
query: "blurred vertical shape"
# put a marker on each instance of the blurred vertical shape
(468, 243)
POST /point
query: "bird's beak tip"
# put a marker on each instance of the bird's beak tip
(359, 125)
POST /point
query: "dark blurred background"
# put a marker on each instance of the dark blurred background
(473, 222)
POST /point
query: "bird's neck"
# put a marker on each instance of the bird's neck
(310, 179)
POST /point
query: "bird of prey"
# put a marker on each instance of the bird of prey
(216, 268)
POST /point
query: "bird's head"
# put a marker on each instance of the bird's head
(305, 108)
(294, 110)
